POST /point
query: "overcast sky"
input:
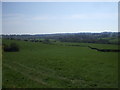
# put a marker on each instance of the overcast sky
(59, 17)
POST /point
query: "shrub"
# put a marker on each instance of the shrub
(13, 47)
(46, 41)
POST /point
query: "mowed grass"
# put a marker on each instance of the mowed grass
(39, 65)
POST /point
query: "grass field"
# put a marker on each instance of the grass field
(59, 66)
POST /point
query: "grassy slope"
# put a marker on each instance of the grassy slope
(42, 65)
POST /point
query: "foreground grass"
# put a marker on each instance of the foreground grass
(44, 65)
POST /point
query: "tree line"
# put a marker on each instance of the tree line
(103, 38)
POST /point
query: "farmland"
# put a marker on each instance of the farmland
(59, 65)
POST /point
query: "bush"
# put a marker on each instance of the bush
(46, 41)
(13, 47)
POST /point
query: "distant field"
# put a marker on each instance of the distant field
(39, 65)
(100, 46)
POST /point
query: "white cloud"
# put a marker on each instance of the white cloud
(94, 16)
(91, 16)
(63, 17)
(40, 18)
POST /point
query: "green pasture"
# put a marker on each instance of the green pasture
(39, 65)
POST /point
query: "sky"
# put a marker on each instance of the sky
(59, 17)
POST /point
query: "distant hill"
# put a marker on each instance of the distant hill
(104, 37)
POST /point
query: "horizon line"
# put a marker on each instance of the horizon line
(57, 33)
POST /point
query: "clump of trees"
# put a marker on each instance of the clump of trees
(13, 47)
(46, 41)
